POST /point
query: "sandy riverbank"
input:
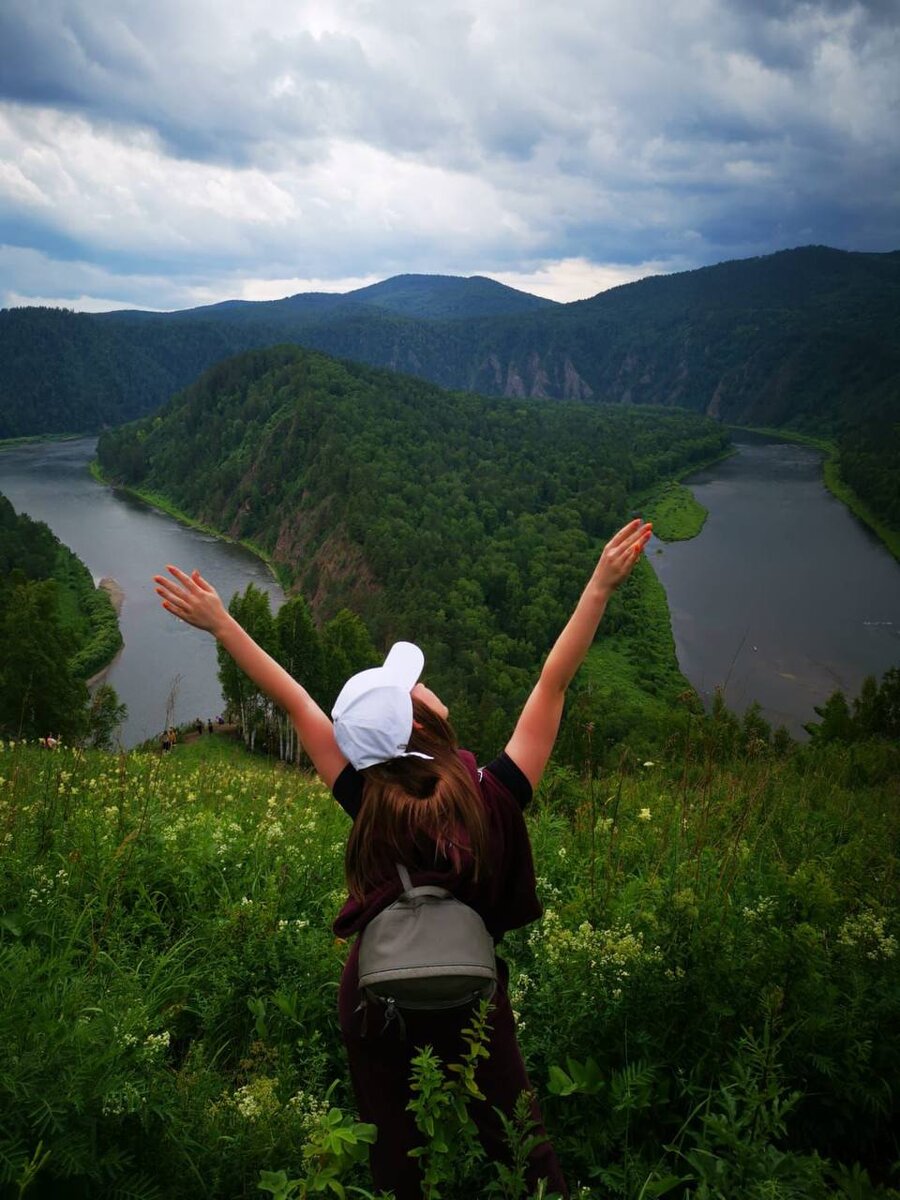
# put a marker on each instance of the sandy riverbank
(116, 593)
(113, 589)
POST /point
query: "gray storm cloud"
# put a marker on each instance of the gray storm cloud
(197, 140)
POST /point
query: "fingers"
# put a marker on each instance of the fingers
(623, 550)
(185, 580)
(625, 532)
(631, 539)
(172, 597)
(192, 584)
(640, 539)
(165, 587)
(188, 597)
(201, 582)
(176, 599)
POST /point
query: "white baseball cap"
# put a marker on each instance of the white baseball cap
(373, 715)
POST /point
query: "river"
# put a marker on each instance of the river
(166, 669)
(784, 595)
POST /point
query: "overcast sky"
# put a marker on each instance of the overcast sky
(172, 153)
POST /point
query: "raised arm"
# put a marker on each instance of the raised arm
(197, 602)
(537, 727)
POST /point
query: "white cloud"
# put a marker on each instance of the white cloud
(117, 191)
(578, 278)
(88, 304)
(30, 277)
(210, 144)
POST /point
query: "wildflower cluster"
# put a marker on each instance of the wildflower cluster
(310, 1109)
(286, 926)
(612, 954)
(156, 1045)
(864, 931)
(257, 1100)
(762, 910)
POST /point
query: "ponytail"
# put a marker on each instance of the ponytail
(427, 808)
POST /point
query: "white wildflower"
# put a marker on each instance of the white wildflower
(865, 931)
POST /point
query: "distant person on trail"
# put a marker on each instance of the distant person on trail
(416, 799)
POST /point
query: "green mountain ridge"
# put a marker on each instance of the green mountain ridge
(805, 339)
(754, 341)
(448, 296)
(419, 296)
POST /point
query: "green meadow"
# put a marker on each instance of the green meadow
(708, 1007)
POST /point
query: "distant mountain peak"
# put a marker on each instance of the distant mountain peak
(447, 296)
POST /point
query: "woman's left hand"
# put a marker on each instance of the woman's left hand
(191, 599)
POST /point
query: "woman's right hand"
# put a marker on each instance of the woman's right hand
(620, 554)
(191, 599)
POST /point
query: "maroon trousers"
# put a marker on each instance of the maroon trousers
(380, 1068)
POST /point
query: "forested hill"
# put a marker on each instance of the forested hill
(470, 523)
(448, 296)
(808, 338)
(65, 372)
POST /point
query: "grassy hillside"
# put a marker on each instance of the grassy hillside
(708, 1007)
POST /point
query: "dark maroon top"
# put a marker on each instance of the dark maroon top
(504, 895)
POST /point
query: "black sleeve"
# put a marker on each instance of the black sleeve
(348, 790)
(509, 774)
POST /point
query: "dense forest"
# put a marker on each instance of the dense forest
(468, 523)
(56, 630)
(806, 339)
(68, 372)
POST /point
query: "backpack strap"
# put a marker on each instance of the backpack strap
(425, 890)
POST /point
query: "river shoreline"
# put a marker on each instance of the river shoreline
(670, 506)
(116, 594)
(831, 475)
(166, 672)
(161, 504)
(758, 602)
(33, 438)
(114, 590)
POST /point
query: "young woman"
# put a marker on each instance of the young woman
(392, 761)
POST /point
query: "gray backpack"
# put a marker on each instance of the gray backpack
(427, 950)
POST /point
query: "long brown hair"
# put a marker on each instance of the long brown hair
(417, 811)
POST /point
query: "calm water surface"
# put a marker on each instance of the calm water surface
(784, 596)
(120, 537)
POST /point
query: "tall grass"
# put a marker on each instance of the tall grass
(707, 1008)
